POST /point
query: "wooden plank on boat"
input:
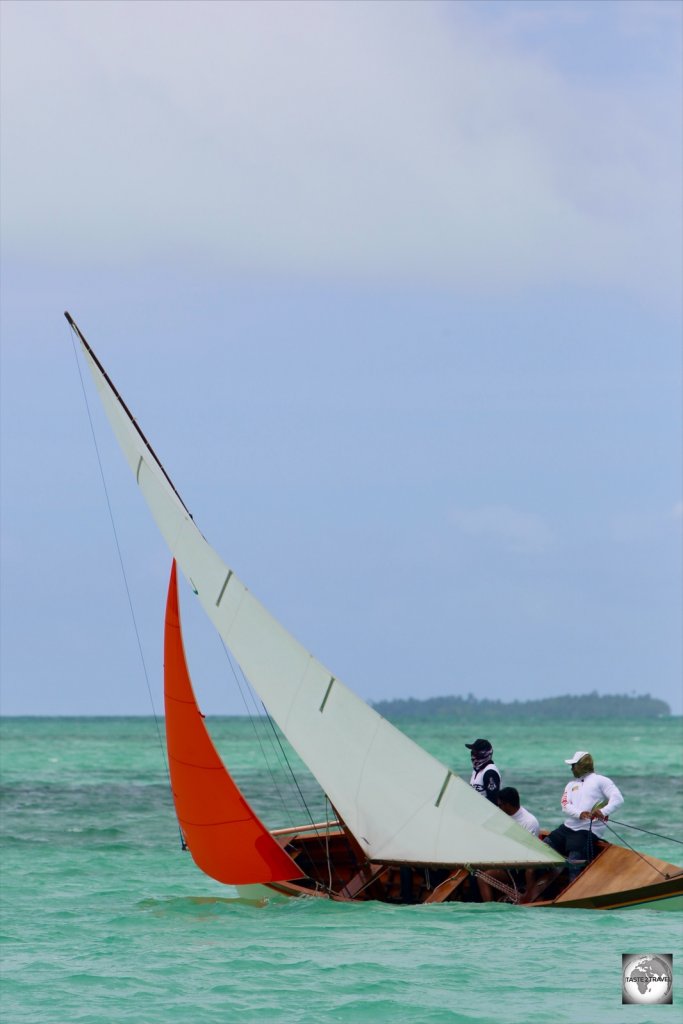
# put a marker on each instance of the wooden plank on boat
(445, 888)
(618, 877)
(368, 874)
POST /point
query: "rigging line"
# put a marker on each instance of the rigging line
(283, 760)
(273, 777)
(258, 717)
(281, 756)
(664, 874)
(123, 570)
(647, 831)
(256, 733)
(291, 771)
(269, 719)
(324, 847)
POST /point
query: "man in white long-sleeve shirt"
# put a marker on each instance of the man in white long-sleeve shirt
(588, 800)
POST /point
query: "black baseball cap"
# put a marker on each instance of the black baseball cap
(479, 745)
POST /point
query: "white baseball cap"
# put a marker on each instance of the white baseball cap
(577, 757)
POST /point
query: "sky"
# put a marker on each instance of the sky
(394, 290)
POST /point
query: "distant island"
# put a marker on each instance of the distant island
(588, 705)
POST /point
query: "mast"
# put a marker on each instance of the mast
(81, 337)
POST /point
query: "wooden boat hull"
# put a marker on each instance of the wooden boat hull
(653, 899)
(617, 878)
(622, 878)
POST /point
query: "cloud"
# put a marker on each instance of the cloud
(409, 141)
(515, 530)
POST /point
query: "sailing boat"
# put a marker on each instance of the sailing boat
(406, 828)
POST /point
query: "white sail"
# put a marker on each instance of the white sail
(401, 804)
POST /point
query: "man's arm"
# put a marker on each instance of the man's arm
(613, 796)
(491, 784)
(567, 804)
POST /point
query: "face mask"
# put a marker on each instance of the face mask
(481, 758)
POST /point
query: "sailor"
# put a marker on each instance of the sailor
(508, 801)
(588, 800)
(485, 776)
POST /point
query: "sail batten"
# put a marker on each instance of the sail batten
(401, 804)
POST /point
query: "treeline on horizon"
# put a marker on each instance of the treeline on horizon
(588, 705)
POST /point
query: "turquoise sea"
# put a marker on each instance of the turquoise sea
(106, 920)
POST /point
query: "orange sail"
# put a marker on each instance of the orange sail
(226, 839)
